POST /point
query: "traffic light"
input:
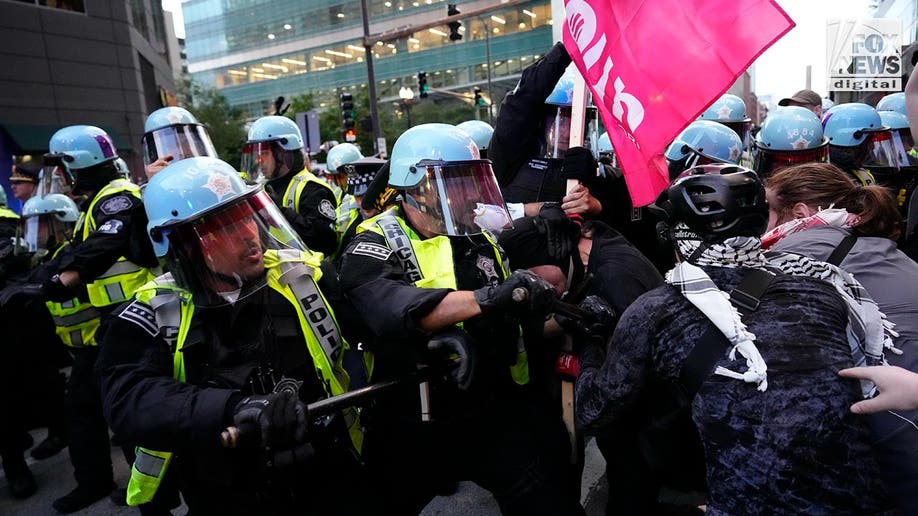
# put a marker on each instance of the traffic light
(479, 101)
(452, 10)
(422, 84)
(347, 114)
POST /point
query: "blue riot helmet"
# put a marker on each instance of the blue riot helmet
(701, 143)
(48, 222)
(730, 110)
(607, 151)
(858, 139)
(173, 131)
(480, 132)
(558, 119)
(214, 231)
(85, 156)
(893, 102)
(336, 162)
(827, 104)
(789, 135)
(273, 150)
(446, 188)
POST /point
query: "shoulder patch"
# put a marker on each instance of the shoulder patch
(142, 315)
(114, 205)
(380, 252)
(327, 209)
(111, 227)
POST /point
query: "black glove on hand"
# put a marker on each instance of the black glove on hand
(579, 163)
(21, 292)
(598, 320)
(520, 293)
(275, 420)
(561, 233)
(456, 349)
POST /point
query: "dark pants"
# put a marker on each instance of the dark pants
(897, 456)
(511, 448)
(90, 451)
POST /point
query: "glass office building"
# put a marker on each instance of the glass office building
(255, 50)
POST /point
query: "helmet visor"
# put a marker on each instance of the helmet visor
(44, 233)
(264, 161)
(558, 131)
(458, 198)
(178, 141)
(742, 128)
(220, 256)
(55, 176)
(766, 161)
(902, 142)
(881, 150)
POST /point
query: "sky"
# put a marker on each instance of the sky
(781, 70)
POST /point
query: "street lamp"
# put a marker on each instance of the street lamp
(407, 95)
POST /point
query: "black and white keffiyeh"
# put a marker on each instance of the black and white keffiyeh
(869, 333)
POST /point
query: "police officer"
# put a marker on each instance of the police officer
(789, 136)
(274, 156)
(107, 260)
(860, 144)
(172, 134)
(239, 333)
(730, 111)
(346, 161)
(429, 267)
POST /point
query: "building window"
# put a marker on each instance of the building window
(65, 5)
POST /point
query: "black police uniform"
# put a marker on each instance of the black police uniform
(526, 176)
(495, 434)
(315, 222)
(121, 231)
(248, 347)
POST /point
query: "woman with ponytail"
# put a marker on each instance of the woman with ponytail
(816, 210)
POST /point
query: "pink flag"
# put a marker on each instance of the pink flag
(654, 65)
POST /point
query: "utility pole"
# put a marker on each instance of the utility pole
(378, 144)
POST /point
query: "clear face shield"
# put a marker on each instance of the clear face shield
(55, 177)
(220, 256)
(743, 128)
(558, 131)
(45, 233)
(693, 158)
(902, 142)
(264, 161)
(178, 141)
(766, 162)
(456, 198)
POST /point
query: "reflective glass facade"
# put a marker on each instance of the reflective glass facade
(245, 33)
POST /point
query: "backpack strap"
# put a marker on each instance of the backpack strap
(710, 347)
(842, 250)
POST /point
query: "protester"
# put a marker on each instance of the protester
(797, 449)
(807, 99)
(818, 211)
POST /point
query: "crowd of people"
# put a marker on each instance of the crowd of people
(271, 337)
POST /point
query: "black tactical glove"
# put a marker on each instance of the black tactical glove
(598, 319)
(276, 420)
(456, 349)
(523, 292)
(579, 164)
(561, 233)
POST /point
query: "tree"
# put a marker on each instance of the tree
(224, 123)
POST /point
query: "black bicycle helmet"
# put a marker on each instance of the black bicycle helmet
(715, 201)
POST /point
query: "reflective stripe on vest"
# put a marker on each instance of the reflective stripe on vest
(75, 323)
(146, 474)
(291, 273)
(297, 184)
(347, 212)
(428, 263)
(120, 281)
(6, 213)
